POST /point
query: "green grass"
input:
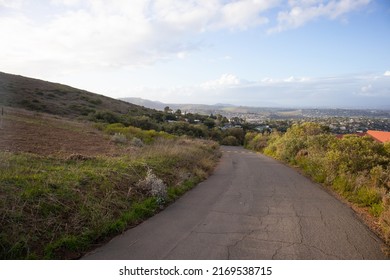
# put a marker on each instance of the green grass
(56, 208)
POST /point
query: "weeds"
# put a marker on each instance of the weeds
(56, 208)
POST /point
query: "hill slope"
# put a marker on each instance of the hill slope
(67, 185)
(53, 98)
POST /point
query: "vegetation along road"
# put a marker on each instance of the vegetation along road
(252, 207)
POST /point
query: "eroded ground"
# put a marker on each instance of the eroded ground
(26, 131)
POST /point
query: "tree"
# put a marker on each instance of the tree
(238, 133)
(230, 141)
(209, 122)
(167, 110)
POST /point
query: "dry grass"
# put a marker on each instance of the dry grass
(385, 218)
(57, 207)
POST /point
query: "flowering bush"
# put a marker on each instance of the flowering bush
(154, 186)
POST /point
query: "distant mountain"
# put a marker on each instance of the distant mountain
(269, 112)
(224, 105)
(58, 99)
(202, 108)
(157, 105)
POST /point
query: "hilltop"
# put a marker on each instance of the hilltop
(58, 99)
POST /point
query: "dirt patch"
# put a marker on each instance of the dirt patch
(25, 131)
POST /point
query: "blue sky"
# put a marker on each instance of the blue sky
(289, 53)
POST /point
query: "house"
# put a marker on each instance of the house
(380, 136)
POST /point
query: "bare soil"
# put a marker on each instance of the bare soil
(44, 134)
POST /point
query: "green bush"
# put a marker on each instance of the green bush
(131, 132)
(367, 196)
(256, 141)
(230, 141)
(356, 167)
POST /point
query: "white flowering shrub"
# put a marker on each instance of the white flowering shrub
(119, 138)
(154, 186)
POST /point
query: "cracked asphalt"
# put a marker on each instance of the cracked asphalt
(252, 207)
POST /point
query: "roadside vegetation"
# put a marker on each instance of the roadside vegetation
(55, 207)
(357, 168)
(77, 168)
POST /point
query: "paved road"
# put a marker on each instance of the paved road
(252, 207)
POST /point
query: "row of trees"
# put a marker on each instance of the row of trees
(176, 123)
(356, 167)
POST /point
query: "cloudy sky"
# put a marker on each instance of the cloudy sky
(306, 53)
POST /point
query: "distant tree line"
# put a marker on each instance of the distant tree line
(217, 128)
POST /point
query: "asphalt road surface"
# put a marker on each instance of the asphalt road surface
(252, 207)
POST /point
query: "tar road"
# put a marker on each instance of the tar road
(252, 207)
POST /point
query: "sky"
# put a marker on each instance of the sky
(264, 53)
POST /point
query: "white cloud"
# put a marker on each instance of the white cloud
(290, 79)
(95, 33)
(182, 55)
(303, 11)
(226, 80)
(66, 2)
(13, 4)
(387, 73)
(243, 14)
(366, 88)
(90, 34)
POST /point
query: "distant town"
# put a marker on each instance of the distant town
(339, 121)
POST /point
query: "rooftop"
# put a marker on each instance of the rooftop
(381, 136)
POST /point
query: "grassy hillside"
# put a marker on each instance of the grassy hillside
(70, 179)
(41, 96)
(60, 207)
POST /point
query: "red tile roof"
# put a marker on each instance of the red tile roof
(381, 136)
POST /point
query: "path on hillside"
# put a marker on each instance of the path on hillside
(252, 207)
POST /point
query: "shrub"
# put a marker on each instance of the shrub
(230, 141)
(151, 185)
(367, 196)
(137, 142)
(119, 138)
(104, 116)
(256, 141)
(131, 132)
(238, 133)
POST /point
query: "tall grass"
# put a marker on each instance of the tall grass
(54, 207)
